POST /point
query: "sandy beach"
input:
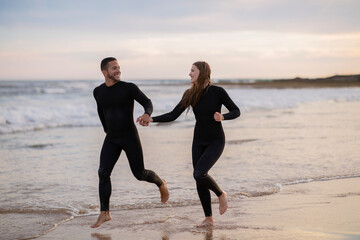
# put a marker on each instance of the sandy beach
(320, 209)
(293, 152)
(317, 210)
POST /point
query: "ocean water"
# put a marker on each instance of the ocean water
(37, 105)
(50, 140)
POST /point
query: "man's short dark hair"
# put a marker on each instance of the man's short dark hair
(105, 62)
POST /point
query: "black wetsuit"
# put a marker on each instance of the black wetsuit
(115, 105)
(208, 140)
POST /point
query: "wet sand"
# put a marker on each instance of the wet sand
(278, 142)
(315, 210)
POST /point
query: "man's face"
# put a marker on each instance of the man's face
(113, 71)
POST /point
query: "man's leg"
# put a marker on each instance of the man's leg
(134, 154)
(110, 153)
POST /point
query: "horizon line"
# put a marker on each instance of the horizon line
(181, 79)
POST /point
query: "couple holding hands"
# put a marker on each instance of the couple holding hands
(115, 105)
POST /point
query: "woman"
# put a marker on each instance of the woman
(209, 139)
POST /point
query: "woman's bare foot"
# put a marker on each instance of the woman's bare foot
(208, 222)
(223, 203)
(164, 192)
(103, 217)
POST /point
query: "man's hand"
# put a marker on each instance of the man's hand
(218, 117)
(144, 120)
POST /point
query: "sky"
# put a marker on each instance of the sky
(160, 39)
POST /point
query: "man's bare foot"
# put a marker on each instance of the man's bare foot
(164, 192)
(208, 222)
(103, 217)
(223, 203)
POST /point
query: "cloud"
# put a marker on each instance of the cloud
(325, 16)
(240, 38)
(234, 54)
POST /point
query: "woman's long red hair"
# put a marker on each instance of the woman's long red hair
(193, 94)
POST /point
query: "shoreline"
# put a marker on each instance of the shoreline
(302, 211)
(313, 134)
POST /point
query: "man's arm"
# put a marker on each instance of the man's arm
(141, 98)
(100, 113)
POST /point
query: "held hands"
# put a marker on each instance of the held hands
(144, 120)
(218, 117)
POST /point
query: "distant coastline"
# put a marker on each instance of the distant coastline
(333, 81)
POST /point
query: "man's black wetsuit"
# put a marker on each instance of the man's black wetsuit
(208, 140)
(115, 105)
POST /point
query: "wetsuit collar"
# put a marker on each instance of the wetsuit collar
(115, 82)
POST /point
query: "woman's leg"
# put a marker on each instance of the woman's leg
(205, 156)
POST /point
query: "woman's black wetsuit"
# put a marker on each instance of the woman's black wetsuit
(115, 105)
(208, 140)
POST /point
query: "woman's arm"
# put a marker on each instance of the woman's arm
(234, 111)
(170, 116)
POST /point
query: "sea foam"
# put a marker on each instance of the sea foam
(36, 105)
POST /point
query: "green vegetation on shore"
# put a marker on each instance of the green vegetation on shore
(333, 81)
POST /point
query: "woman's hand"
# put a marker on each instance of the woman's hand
(218, 117)
(144, 120)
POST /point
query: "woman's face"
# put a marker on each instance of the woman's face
(194, 73)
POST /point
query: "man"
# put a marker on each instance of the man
(115, 105)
